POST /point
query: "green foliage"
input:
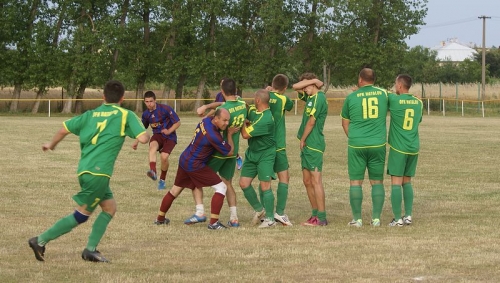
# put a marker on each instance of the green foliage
(492, 60)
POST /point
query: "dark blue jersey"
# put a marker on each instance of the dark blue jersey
(163, 117)
(206, 140)
(220, 97)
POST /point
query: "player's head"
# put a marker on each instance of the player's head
(150, 100)
(307, 76)
(262, 97)
(228, 87)
(222, 80)
(366, 77)
(114, 91)
(403, 83)
(221, 118)
(280, 83)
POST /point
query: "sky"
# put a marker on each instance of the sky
(458, 20)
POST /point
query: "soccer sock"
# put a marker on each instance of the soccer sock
(98, 229)
(163, 175)
(269, 204)
(378, 197)
(408, 198)
(251, 197)
(165, 206)
(356, 199)
(314, 213)
(261, 196)
(396, 198)
(282, 196)
(232, 213)
(322, 215)
(152, 166)
(215, 207)
(61, 227)
(200, 209)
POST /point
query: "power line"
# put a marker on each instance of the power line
(450, 23)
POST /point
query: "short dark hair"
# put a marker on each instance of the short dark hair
(280, 82)
(307, 76)
(113, 91)
(149, 94)
(405, 80)
(263, 94)
(229, 86)
(367, 75)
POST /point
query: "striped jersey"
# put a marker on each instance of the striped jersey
(162, 117)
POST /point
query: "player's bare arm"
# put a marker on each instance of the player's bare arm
(59, 136)
(171, 129)
(307, 130)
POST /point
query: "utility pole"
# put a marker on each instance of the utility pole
(483, 64)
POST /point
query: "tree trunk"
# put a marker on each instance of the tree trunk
(123, 19)
(15, 96)
(67, 104)
(79, 96)
(199, 92)
(166, 94)
(179, 89)
(36, 105)
(138, 96)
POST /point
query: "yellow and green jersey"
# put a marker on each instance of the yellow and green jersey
(261, 130)
(238, 113)
(316, 107)
(406, 115)
(278, 104)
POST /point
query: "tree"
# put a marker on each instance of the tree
(492, 60)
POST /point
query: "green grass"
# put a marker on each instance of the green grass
(454, 237)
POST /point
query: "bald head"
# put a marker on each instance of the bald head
(221, 118)
(262, 95)
(367, 76)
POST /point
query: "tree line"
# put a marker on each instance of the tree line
(194, 43)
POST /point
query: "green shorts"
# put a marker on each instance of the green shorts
(259, 164)
(311, 159)
(94, 189)
(400, 164)
(281, 161)
(371, 158)
(224, 166)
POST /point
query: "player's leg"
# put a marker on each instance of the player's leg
(165, 151)
(281, 166)
(319, 194)
(356, 164)
(264, 167)
(395, 168)
(226, 172)
(199, 215)
(181, 181)
(216, 205)
(376, 163)
(248, 173)
(411, 167)
(307, 180)
(153, 148)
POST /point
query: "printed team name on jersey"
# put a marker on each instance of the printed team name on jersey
(369, 93)
(202, 128)
(408, 102)
(237, 108)
(273, 100)
(105, 114)
(155, 125)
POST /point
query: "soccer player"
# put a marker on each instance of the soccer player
(259, 158)
(164, 122)
(364, 122)
(312, 144)
(224, 165)
(193, 171)
(404, 144)
(102, 132)
(279, 103)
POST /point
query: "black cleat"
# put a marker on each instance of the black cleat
(39, 251)
(94, 256)
(164, 222)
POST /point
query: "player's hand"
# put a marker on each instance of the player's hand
(201, 110)
(269, 88)
(46, 146)
(302, 145)
(165, 132)
(134, 145)
(233, 130)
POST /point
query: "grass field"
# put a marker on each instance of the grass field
(454, 236)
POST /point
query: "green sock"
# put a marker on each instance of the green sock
(378, 197)
(261, 196)
(314, 212)
(282, 196)
(322, 215)
(98, 229)
(251, 197)
(356, 199)
(408, 198)
(61, 227)
(269, 203)
(396, 198)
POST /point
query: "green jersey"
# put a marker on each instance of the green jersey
(102, 132)
(316, 107)
(278, 104)
(366, 110)
(261, 130)
(238, 113)
(406, 114)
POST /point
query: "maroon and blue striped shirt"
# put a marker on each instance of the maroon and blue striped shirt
(163, 117)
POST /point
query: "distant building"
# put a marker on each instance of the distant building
(452, 51)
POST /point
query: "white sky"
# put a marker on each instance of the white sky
(458, 19)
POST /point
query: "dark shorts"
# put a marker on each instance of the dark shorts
(204, 177)
(164, 144)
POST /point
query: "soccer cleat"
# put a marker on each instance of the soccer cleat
(356, 223)
(94, 256)
(398, 223)
(312, 221)
(258, 216)
(407, 220)
(216, 226)
(151, 174)
(322, 223)
(375, 222)
(239, 162)
(283, 219)
(233, 223)
(38, 250)
(166, 221)
(195, 219)
(267, 223)
(161, 184)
